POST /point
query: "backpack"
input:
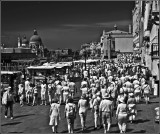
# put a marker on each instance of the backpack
(71, 111)
(4, 99)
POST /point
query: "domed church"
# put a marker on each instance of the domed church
(36, 44)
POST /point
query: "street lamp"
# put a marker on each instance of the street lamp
(109, 46)
(85, 56)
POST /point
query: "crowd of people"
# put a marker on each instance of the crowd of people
(116, 85)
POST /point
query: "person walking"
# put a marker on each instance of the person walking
(137, 92)
(35, 95)
(146, 91)
(95, 109)
(65, 91)
(54, 115)
(27, 89)
(58, 93)
(72, 88)
(132, 108)
(8, 101)
(70, 114)
(50, 90)
(43, 93)
(21, 94)
(83, 107)
(122, 115)
(106, 109)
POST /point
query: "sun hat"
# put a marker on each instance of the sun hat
(131, 94)
(98, 94)
(49, 85)
(106, 96)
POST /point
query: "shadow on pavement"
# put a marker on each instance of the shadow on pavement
(13, 123)
(15, 132)
(129, 130)
(141, 121)
(153, 102)
(141, 131)
(114, 125)
(139, 110)
(23, 115)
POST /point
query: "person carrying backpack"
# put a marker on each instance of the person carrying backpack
(83, 107)
(95, 108)
(70, 114)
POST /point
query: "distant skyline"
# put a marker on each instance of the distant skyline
(63, 24)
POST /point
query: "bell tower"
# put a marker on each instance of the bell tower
(19, 41)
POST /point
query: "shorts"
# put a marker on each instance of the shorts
(35, 94)
(43, 97)
(106, 117)
(137, 93)
(70, 120)
(21, 97)
(146, 94)
(96, 114)
(54, 120)
(82, 114)
(122, 118)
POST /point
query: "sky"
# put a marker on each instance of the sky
(63, 24)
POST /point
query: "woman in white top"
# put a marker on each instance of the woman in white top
(21, 94)
(70, 114)
(54, 115)
(84, 89)
(65, 90)
(121, 115)
(146, 91)
(83, 107)
(43, 93)
(137, 92)
(35, 95)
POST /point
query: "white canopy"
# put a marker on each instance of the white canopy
(10, 72)
(87, 61)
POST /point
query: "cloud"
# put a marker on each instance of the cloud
(112, 23)
(75, 25)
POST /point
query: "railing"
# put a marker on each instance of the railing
(155, 49)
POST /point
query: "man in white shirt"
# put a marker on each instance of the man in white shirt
(27, 88)
(43, 93)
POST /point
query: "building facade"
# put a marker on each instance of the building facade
(146, 33)
(115, 41)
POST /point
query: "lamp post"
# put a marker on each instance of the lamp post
(85, 56)
(109, 46)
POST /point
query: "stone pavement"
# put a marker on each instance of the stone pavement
(35, 119)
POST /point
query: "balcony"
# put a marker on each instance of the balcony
(155, 51)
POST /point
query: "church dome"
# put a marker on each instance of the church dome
(24, 40)
(36, 38)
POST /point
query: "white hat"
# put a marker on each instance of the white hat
(121, 90)
(121, 99)
(131, 94)
(106, 96)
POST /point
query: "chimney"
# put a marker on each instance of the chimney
(130, 29)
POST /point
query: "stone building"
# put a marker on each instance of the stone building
(116, 40)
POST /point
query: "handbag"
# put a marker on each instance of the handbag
(4, 99)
